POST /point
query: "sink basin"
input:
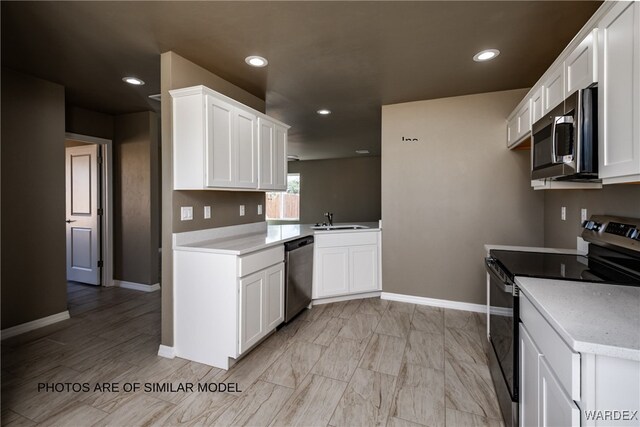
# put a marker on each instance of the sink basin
(338, 227)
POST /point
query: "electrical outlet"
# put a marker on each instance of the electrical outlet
(259, 209)
(207, 212)
(583, 215)
(241, 210)
(186, 213)
(563, 213)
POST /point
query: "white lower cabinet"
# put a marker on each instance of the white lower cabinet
(225, 304)
(261, 305)
(529, 359)
(559, 387)
(346, 263)
(554, 406)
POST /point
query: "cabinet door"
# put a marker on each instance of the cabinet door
(619, 91)
(512, 131)
(554, 407)
(266, 147)
(553, 88)
(524, 120)
(529, 355)
(537, 105)
(251, 312)
(274, 297)
(280, 158)
(363, 267)
(580, 67)
(332, 271)
(220, 151)
(247, 150)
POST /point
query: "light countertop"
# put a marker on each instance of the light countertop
(532, 249)
(590, 317)
(258, 239)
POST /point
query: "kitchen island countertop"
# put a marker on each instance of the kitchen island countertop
(590, 317)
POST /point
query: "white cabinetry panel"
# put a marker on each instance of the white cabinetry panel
(247, 146)
(251, 310)
(581, 67)
(363, 268)
(332, 271)
(537, 105)
(220, 154)
(553, 88)
(619, 93)
(555, 408)
(274, 296)
(529, 355)
(273, 156)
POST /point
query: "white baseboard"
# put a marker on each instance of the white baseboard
(137, 286)
(345, 298)
(455, 305)
(166, 351)
(34, 324)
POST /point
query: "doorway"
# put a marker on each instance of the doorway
(89, 198)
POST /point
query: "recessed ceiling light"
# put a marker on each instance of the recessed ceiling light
(256, 61)
(133, 81)
(362, 151)
(486, 55)
(324, 112)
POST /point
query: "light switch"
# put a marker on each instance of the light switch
(186, 213)
(583, 215)
(207, 212)
(241, 210)
(259, 209)
(563, 213)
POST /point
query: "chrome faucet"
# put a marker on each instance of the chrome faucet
(329, 216)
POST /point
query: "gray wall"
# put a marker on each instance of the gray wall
(33, 213)
(177, 72)
(135, 240)
(621, 200)
(350, 188)
(446, 195)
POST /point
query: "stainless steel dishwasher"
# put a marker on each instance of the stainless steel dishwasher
(298, 257)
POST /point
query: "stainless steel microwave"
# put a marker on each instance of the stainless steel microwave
(565, 141)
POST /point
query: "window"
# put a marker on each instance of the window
(285, 206)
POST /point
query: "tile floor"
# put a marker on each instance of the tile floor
(357, 363)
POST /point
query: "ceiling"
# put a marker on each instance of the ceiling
(349, 57)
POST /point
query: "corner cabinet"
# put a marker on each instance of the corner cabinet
(346, 263)
(225, 304)
(221, 144)
(619, 94)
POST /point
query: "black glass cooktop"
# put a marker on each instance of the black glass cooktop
(566, 267)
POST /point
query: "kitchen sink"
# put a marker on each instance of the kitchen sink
(338, 227)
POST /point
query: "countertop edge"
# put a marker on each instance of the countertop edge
(579, 346)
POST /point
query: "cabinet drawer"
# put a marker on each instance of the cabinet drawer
(346, 239)
(257, 261)
(564, 362)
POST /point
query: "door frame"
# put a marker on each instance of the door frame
(106, 223)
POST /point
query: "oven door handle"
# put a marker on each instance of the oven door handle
(501, 284)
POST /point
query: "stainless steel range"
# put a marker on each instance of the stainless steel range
(613, 258)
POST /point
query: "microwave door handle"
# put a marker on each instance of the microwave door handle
(558, 120)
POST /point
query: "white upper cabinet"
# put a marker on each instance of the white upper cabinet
(217, 143)
(619, 94)
(553, 89)
(519, 125)
(273, 156)
(581, 66)
(537, 104)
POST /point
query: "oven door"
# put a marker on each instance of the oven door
(503, 335)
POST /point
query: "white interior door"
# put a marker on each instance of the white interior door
(83, 221)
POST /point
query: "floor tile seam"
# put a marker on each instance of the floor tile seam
(471, 413)
(410, 421)
(22, 415)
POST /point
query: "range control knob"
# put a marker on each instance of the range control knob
(591, 225)
(633, 233)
